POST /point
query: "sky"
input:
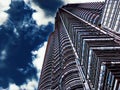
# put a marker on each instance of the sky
(25, 26)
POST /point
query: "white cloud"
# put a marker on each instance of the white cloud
(81, 1)
(30, 85)
(13, 87)
(4, 5)
(38, 61)
(3, 17)
(26, 1)
(39, 15)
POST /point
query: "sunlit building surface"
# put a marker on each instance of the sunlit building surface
(82, 54)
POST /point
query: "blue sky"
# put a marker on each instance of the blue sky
(24, 29)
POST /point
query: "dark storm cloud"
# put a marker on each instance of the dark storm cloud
(49, 6)
(19, 36)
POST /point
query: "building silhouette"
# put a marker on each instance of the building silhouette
(83, 53)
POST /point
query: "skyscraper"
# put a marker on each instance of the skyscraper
(81, 54)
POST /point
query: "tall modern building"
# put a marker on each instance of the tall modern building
(83, 52)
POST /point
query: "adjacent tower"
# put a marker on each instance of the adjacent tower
(81, 54)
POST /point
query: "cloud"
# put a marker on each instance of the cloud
(3, 16)
(40, 16)
(26, 1)
(38, 60)
(13, 87)
(4, 5)
(80, 1)
(30, 85)
(19, 36)
(49, 6)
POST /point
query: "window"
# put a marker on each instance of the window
(111, 15)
